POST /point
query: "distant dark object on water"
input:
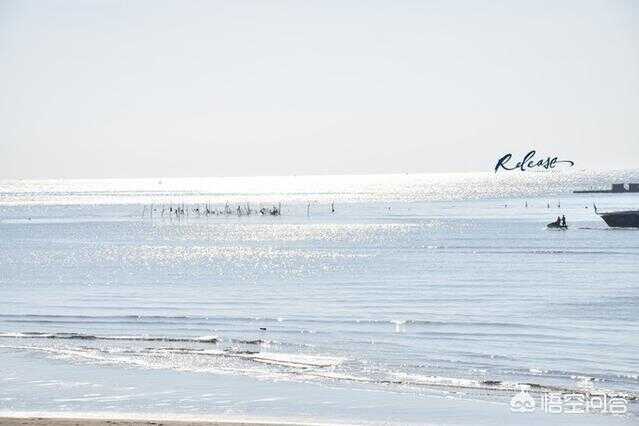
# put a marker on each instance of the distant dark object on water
(560, 223)
(617, 188)
(555, 225)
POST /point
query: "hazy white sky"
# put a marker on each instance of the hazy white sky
(186, 88)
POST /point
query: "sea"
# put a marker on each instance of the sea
(369, 299)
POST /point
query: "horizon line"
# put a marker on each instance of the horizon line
(490, 172)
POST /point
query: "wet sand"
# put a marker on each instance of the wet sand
(42, 421)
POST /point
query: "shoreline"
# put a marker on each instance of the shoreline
(51, 421)
(79, 419)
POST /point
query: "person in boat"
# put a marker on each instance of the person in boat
(558, 221)
(563, 220)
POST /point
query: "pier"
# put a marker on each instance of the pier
(616, 188)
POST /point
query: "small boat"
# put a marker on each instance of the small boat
(555, 225)
(621, 219)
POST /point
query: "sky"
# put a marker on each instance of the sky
(241, 88)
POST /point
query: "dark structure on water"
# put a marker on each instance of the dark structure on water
(623, 219)
(617, 188)
(618, 219)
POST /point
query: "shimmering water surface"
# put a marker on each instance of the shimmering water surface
(418, 288)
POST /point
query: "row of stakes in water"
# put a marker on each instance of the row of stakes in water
(182, 210)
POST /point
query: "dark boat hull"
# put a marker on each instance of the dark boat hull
(629, 219)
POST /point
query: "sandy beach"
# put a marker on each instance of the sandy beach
(41, 421)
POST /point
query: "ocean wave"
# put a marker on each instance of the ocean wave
(301, 366)
(284, 359)
(296, 360)
(81, 336)
(208, 320)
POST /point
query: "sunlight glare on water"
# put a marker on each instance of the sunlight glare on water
(444, 283)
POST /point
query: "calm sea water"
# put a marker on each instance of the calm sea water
(417, 288)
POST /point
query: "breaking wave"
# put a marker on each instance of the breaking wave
(286, 366)
(80, 336)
